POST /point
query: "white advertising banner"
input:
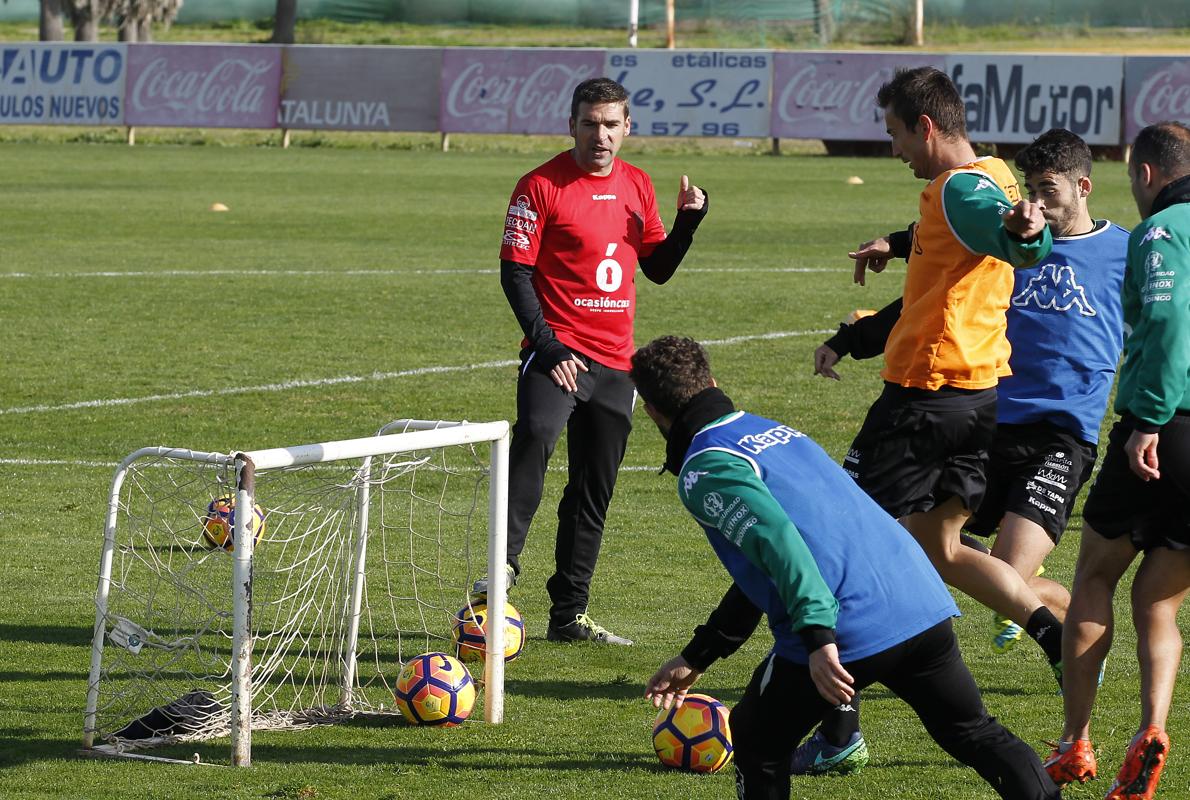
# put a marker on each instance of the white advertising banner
(1015, 98)
(62, 84)
(695, 92)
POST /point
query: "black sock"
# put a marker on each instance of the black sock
(840, 722)
(1045, 629)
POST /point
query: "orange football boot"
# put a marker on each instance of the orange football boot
(1137, 779)
(1075, 764)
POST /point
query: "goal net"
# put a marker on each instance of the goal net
(356, 556)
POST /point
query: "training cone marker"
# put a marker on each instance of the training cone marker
(218, 207)
(855, 180)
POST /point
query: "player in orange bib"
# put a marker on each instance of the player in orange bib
(923, 449)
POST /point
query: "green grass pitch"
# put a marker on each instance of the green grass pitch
(133, 316)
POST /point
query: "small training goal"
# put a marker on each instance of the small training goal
(355, 556)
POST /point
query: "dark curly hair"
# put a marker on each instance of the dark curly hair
(669, 371)
(596, 91)
(1057, 150)
(929, 91)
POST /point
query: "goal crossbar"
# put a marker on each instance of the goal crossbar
(415, 436)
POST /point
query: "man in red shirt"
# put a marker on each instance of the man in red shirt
(575, 230)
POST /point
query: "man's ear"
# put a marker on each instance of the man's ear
(1146, 173)
(926, 127)
(714, 384)
(1084, 186)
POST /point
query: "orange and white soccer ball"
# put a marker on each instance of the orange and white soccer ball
(219, 524)
(435, 689)
(469, 632)
(695, 737)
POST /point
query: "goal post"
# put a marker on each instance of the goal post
(351, 558)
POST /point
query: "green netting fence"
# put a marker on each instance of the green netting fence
(614, 13)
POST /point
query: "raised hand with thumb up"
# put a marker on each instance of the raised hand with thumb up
(690, 197)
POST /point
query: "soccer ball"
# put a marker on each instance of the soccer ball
(695, 737)
(470, 632)
(435, 689)
(219, 524)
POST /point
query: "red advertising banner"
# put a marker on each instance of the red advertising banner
(833, 95)
(1157, 89)
(206, 86)
(360, 88)
(512, 91)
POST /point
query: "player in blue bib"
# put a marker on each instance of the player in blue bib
(1066, 326)
(805, 546)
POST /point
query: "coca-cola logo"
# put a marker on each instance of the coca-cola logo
(543, 94)
(1164, 95)
(829, 98)
(231, 86)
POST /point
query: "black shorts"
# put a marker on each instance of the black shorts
(1151, 513)
(1036, 471)
(918, 448)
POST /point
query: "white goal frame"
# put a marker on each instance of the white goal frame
(416, 435)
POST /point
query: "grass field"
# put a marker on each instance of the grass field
(134, 316)
(777, 34)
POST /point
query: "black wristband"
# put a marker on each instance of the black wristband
(900, 243)
(841, 341)
(701, 652)
(816, 636)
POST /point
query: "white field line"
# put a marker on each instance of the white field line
(84, 463)
(396, 273)
(343, 379)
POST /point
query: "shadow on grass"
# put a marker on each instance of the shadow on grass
(79, 635)
(465, 757)
(42, 675)
(23, 745)
(620, 688)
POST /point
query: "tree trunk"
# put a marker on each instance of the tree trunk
(145, 31)
(128, 30)
(85, 18)
(285, 22)
(50, 27)
(915, 35)
(86, 30)
(824, 21)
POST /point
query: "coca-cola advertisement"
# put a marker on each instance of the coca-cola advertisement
(207, 86)
(833, 95)
(512, 91)
(1157, 89)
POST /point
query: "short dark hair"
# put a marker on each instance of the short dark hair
(1165, 146)
(1057, 150)
(669, 371)
(595, 91)
(929, 91)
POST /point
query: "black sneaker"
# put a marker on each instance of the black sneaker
(480, 587)
(583, 629)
